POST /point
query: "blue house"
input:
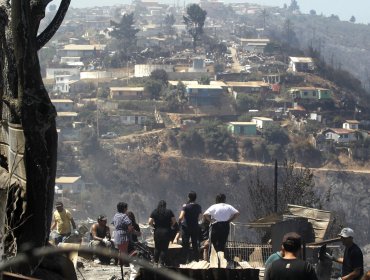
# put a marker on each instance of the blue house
(204, 94)
(242, 128)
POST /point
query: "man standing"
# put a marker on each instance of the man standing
(220, 215)
(188, 219)
(62, 222)
(290, 267)
(353, 260)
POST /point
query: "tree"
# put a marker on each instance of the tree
(159, 75)
(204, 80)
(352, 19)
(194, 20)
(154, 87)
(125, 33)
(29, 117)
(313, 12)
(169, 21)
(293, 6)
(276, 135)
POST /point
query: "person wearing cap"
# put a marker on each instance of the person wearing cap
(220, 215)
(100, 235)
(62, 223)
(289, 267)
(352, 260)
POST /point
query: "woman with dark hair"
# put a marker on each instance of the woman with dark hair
(162, 219)
(123, 226)
(133, 235)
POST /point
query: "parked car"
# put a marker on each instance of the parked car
(109, 135)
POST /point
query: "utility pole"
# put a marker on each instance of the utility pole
(276, 187)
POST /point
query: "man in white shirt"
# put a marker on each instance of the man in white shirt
(220, 215)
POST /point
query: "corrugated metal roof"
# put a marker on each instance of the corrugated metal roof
(66, 180)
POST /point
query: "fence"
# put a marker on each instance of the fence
(255, 254)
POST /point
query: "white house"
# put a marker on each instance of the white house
(340, 135)
(351, 124)
(62, 83)
(66, 184)
(301, 64)
(262, 122)
(63, 105)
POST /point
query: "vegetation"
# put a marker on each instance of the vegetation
(125, 32)
(194, 20)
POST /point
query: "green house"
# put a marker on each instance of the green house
(242, 128)
(310, 93)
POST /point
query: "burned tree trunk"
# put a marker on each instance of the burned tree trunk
(28, 137)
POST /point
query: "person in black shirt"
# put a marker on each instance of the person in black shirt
(290, 267)
(189, 217)
(353, 260)
(162, 219)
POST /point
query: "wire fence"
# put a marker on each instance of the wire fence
(255, 254)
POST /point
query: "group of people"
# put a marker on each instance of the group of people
(286, 264)
(212, 227)
(193, 226)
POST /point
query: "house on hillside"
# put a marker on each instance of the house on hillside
(83, 51)
(301, 64)
(67, 184)
(204, 94)
(253, 45)
(62, 83)
(311, 93)
(128, 93)
(351, 124)
(242, 128)
(63, 105)
(263, 122)
(340, 135)
(131, 118)
(241, 88)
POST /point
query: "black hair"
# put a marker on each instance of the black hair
(131, 216)
(220, 198)
(192, 196)
(292, 242)
(121, 207)
(161, 206)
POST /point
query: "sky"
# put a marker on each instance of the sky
(343, 8)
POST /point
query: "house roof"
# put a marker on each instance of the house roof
(352, 121)
(307, 88)
(61, 101)
(126, 88)
(204, 86)
(249, 40)
(67, 114)
(218, 83)
(174, 83)
(248, 84)
(263, 119)
(242, 123)
(340, 130)
(67, 180)
(74, 47)
(301, 59)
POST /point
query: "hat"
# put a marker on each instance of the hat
(346, 232)
(292, 241)
(102, 218)
(58, 204)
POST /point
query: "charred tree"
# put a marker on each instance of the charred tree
(28, 137)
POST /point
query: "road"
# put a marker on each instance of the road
(236, 67)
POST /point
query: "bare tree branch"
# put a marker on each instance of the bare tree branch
(50, 30)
